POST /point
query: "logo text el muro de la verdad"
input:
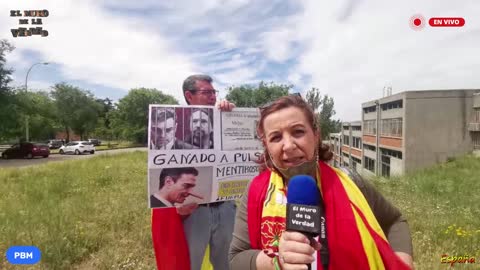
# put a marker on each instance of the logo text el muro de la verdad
(30, 23)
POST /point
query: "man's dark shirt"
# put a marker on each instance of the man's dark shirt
(154, 202)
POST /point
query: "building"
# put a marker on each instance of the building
(416, 129)
(335, 146)
(347, 146)
(410, 130)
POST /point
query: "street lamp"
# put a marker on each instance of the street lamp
(26, 89)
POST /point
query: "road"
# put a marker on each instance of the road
(10, 163)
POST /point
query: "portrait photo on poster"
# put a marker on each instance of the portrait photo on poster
(171, 187)
(179, 128)
(199, 127)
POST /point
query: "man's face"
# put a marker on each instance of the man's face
(204, 95)
(201, 126)
(180, 190)
(163, 132)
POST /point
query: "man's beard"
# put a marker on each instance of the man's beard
(200, 138)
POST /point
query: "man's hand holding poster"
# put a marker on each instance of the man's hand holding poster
(198, 154)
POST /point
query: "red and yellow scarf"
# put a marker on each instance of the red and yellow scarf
(169, 241)
(355, 239)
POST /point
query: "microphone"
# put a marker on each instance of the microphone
(305, 213)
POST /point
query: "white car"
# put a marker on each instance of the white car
(77, 148)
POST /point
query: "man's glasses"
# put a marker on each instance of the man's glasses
(207, 92)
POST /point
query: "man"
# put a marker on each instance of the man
(201, 125)
(176, 185)
(162, 131)
(198, 90)
(203, 225)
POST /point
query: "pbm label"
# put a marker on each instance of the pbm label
(23, 255)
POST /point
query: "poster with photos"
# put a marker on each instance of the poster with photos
(198, 154)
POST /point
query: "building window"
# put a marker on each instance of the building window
(358, 128)
(370, 127)
(386, 155)
(369, 109)
(391, 153)
(391, 127)
(476, 140)
(397, 104)
(357, 142)
(346, 139)
(476, 116)
(369, 164)
(355, 161)
(369, 147)
(385, 166)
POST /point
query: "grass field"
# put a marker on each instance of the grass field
(85, 214)
(442, 205)
(92, 213)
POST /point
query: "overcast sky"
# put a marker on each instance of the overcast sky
(348, 49)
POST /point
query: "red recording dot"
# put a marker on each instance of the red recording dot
(417, 22)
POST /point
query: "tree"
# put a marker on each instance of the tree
(256, 96)
(314, 98)
(103, 129)
(324, 110)
(130, 120)
(41, 111)
(76, 109)
(5, 73)
(8, 107)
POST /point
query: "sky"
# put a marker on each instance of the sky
(348, 49)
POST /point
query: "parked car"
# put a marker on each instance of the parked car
(26, 150)
(77, 148)
(95, 142)
(55, 144)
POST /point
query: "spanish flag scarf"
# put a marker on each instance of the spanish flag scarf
(169, 241)
(355, 239)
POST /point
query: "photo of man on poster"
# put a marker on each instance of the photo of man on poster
(162, 131)
(175, 185)
(201, 128)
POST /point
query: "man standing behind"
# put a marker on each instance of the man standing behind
(206, 224)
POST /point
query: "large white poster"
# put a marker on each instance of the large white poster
(200, 154)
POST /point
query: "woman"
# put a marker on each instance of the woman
(364, 231)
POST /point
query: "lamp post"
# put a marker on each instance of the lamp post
(26, 90)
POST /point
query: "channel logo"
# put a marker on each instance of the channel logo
(23, 255)
(418, 22)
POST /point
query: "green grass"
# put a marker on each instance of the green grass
(92, 213)
(442, 206)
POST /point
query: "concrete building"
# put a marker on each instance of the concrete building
(408, 131)
(347, 146)
(416, 129)
(335, 147)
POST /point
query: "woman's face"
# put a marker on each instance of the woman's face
(289, 138)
